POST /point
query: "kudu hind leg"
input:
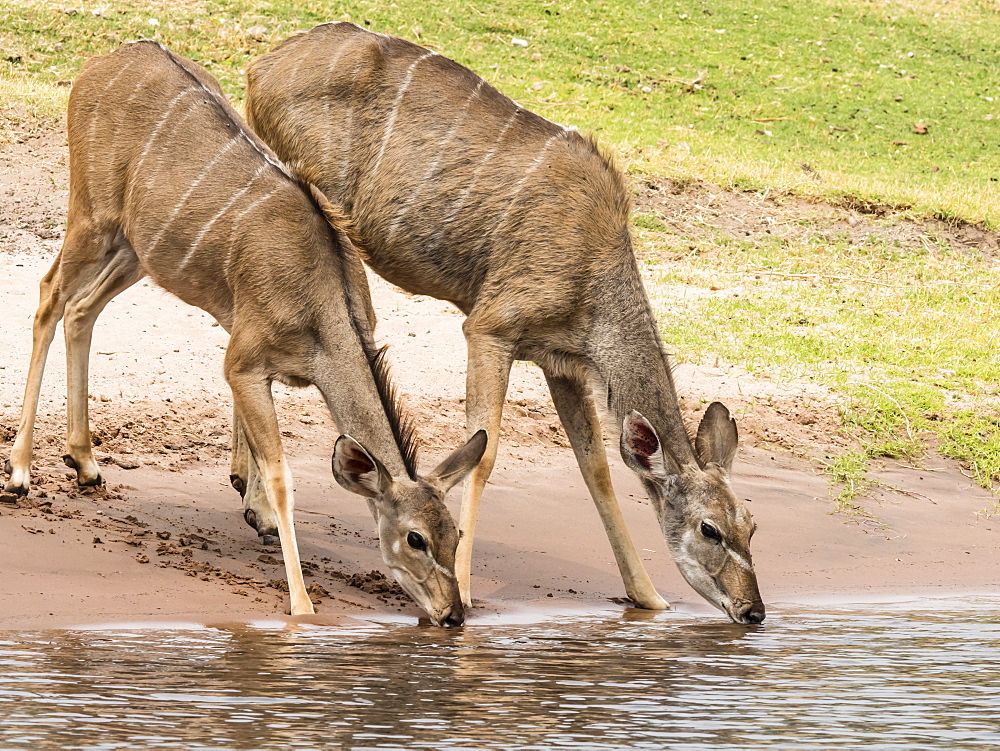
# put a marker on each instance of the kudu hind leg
(487, 377)
(579, 417)
(245, 476)
(255, 409)
(121, 270)
(47, 317)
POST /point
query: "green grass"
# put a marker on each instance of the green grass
(849, 474)
(739, 92)
(908, 336)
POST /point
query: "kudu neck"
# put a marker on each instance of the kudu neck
(628, 354)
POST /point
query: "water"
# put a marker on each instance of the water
(923, 674)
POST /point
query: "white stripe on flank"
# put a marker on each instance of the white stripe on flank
(273, 161)
(194, 185)
(123, 110)
(248, 137)
(159, 126)
(395, 109)
(346, 132)
(293, 74)
(535, 164)
(236, 219)
(429, 172)
(97, 103)
(204, 230)
(330, 140)
(473, 179)
(156, 157)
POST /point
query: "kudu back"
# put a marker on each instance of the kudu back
(167, 181)
(459, 193)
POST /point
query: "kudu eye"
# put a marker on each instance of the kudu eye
(710, 532)
(416, 541)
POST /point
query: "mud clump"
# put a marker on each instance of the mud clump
(317, 592)
(376, 583)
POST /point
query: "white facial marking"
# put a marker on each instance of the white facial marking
(742, 562)
(446, 571)
(391, 122)
(418, 593)
(696, 574)
(395, 547)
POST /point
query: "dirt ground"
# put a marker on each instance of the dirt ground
(164, 539)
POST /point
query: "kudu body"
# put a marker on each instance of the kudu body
(459, 193)
(167, 181)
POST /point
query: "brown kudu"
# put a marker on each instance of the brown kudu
(167, 181)
(459, 193)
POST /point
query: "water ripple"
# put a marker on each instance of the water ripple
(878, 676)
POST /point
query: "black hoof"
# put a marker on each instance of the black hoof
(91, 483)
(70, 462)
(8, 467)
(240, 484)
(12, 493)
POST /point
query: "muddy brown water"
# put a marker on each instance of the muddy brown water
(919, 674)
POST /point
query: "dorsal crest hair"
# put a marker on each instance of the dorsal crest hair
(402, 426)
(342, 228)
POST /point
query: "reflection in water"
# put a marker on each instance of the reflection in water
(861, 675)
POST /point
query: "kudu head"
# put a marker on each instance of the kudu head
(707, 528)
(416, 533)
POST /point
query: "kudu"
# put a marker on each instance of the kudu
(459, 193)
(166, 180)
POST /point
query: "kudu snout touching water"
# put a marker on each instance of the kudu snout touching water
(166, 180)
(459, 193)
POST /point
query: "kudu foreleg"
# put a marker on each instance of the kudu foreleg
(255, 408)
(490, 359)
(579, 417)
(246, 478)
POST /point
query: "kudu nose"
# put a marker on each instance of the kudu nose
(453, 619)
(755, 613)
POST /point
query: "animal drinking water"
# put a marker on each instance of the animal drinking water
(166, 181)
(459, 193)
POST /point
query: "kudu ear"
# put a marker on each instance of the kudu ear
(462, 460)
(717, 438)
(357, 470)
(642, 451)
